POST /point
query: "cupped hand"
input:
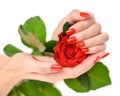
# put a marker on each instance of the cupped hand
(69, 72)
(85, 32)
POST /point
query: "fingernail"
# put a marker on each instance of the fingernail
(105, 55)
(97, 59)
(84, 14)
(70, 31)
(56, 68)
(71, 40)
(85, 50)
(100, 57)
(80, 44)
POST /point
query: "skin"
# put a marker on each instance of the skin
(39, 67)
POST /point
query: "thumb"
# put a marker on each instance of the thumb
(88, 63)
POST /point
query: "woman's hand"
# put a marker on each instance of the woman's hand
(24, 66)
(69, 72)
(85, 32)
(24, 63)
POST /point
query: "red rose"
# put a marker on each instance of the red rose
(67, 55)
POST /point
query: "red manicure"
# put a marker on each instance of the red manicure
(71, 40)
(84, 14)
(80, 44)
(70, 31)
(105, 55)
(97, 59)
(85, 50)
(56, 68)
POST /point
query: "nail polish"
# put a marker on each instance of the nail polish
(70, 31)
(85, 50)
(97, 59)
(105, 55)
(84, 14)
(56, 68)
(80, 44)
(71, 40)
(100, 57)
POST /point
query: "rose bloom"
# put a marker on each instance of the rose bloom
(67, 55)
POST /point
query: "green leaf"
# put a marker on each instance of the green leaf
(50, 46)
(99, 76)
(36, 52)
(29, 88)
(30, 39)
(48, 89)
(11, 50)
(15, 92)
(51, 91)
(95, 78)
(66, 27)
(80, 84)
(36, 26)
(85, 81)
(38, 88)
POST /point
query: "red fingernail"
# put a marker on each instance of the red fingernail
(56, 68)
(85, 50)
(96, 59)
(70, 31)
(80, 44)
(71, 40)
(105, 55)
(84, 14)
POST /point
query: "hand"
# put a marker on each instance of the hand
(24, 66)
(23, 63)
(87, 32)
(69, 72)
(87, 35)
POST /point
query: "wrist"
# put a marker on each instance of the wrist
(8, 81)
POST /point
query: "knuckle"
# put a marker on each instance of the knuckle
(98, 26)
(74, 11)
(96, 49)
(104, 46)
(106, 36)
(81, 36)
(91, 43)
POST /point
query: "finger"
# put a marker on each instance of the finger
(87, 64)
(36, 76)
(73, 72)
(44, 58)
(69, 72)
(45, 67)
(95, 49)
(82, 25)
(93, 30)
(96, 40)
(72, 17)
(75, 16)
(51, 78)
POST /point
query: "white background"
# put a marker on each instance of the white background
(15, 12)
